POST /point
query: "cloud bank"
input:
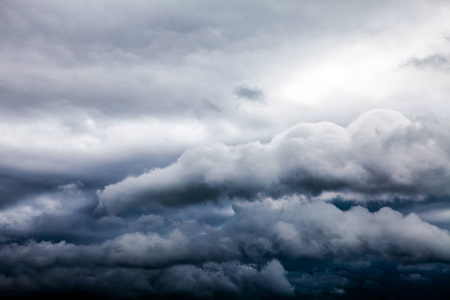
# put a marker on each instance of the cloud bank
(194, 259)
(380, 152)
(235, 150)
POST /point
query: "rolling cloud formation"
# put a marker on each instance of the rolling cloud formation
(232, 150)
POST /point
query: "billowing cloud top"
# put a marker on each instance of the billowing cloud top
(238, 149)
(380, 152)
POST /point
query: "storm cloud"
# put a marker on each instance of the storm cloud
(235, 150)
(239, 258)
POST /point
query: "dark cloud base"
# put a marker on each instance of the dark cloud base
(295, 249)
(312, 280)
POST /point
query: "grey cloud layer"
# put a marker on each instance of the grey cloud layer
(121, 53)
(436, 61)
(149, 58)
(292, 229)
(111, 90)
(196, 259)
(165, 149)
(380, 152)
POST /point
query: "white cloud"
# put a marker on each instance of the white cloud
(380, 152)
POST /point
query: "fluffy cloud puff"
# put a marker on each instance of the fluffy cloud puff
(380, 152)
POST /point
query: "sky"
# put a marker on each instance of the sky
(225, 149)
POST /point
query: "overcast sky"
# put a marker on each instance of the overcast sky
(225, 149)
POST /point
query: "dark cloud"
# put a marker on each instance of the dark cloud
(436, 61)
(289, 248)
(15, 186)
(261, 230)
(230, 278)
(215, 151)
(249, 93)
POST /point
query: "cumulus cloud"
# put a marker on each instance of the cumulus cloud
(380, 152)
(323, 231)
(48, 214)
(228, 278)
(262, 249)
(225, 150)
(206, 281)
(290, 229)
